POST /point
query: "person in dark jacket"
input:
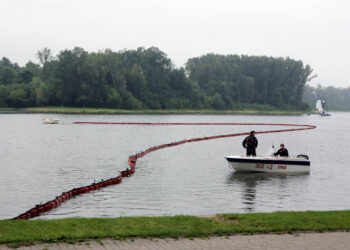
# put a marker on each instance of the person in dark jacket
(282, 151)
(250, 143)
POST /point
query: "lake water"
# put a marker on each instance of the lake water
(39, 162)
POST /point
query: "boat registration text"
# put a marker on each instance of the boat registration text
(269, 166)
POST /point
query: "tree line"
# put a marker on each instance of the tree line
(146, 78)
(336, 98)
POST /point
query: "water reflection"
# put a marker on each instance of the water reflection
(252, 183)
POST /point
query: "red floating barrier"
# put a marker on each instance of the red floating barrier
(37, 210)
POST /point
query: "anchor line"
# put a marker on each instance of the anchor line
(42, 208)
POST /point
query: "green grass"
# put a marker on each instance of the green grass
(20, 232)
(70, 110)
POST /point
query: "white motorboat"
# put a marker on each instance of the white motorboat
(51, 121)
(270, 164)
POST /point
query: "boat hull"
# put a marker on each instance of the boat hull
(51, 121)
(269, 164)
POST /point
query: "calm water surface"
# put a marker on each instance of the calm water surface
(39, 162)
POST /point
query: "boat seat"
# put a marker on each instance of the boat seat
(303, 156)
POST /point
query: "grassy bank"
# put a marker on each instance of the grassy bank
(69, 110)
(24, 232)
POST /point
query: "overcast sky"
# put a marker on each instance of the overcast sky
(314, 31)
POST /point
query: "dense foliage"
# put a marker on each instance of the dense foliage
(278, 82)
(336, 98)
(147, 79)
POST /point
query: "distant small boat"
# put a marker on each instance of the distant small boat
(321, 108)
(270, 164)
(51, 121)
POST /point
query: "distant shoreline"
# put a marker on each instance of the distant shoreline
(70, 110)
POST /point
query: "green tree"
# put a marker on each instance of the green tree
(44, 55)
(17, 97)
(40, 92)
(8, 75)
(113, 99)
(3, 96)
(130, 102)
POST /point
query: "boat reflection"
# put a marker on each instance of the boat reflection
(251, 182)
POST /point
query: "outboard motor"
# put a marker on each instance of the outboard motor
(303, 156)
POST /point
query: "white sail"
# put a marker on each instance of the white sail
(319, 106)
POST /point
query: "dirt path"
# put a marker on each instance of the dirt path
(307, 241)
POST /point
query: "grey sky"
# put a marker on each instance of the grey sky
(314, 31)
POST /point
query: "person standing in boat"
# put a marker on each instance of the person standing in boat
(282, 151)
(250, 143)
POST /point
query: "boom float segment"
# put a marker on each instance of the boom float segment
(42, 208)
